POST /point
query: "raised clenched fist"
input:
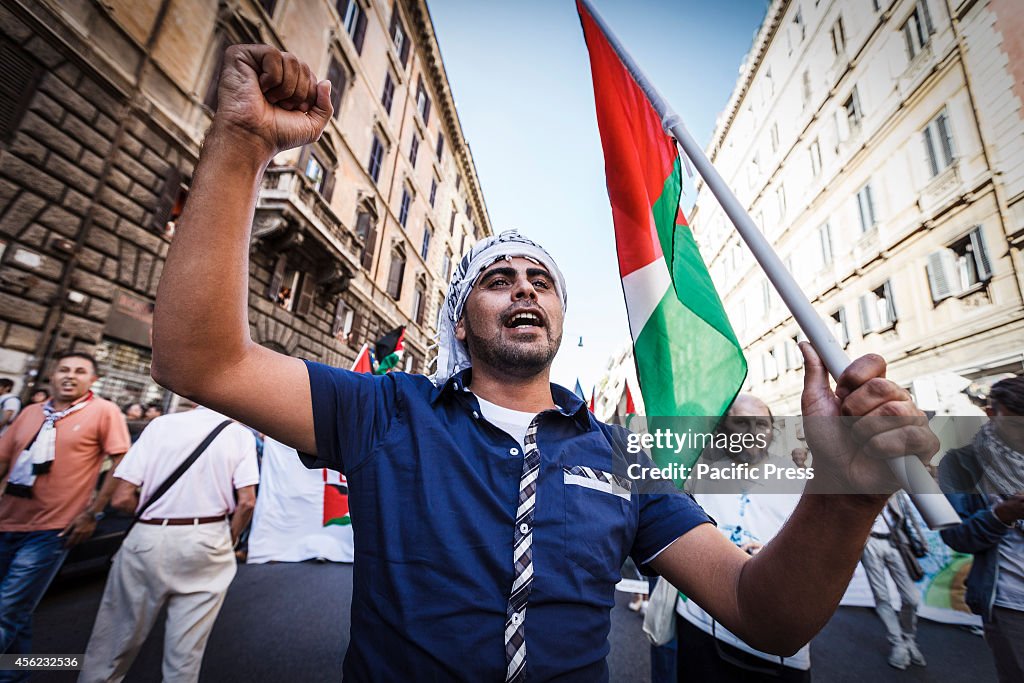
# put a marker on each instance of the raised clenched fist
(272, 98)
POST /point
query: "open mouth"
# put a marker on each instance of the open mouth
(524, 319)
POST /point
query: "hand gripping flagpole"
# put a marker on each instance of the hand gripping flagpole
(909, 471)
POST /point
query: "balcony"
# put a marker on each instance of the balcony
(917, 70)
(288, 196)
(941, 189)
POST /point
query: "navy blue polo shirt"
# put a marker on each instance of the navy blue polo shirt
(433, 491)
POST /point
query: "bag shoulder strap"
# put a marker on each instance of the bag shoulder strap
(183, 467)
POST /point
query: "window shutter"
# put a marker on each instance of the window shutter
(18, 80)
(844, 330)
(405, 52)
(945, 138)
(360, 34)
(164, 204)
(210, 100)
(981, 259)
(370, 245)
(865, 314)
(277, 277)
(339, 316)
(938, 276)
(306, 292)
(338, 78)
(929, 150)
(890, 302)
(395, 275)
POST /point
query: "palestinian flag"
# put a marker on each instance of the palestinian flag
(389, 350)
(688, 359)
(336, 501)
(579, 391)
(364, 361)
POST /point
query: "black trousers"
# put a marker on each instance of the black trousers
(700, 658)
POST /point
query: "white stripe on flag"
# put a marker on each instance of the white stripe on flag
(644, 290)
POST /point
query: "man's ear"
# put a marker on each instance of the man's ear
(460, 330)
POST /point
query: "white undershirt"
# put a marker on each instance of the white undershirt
(512, 422)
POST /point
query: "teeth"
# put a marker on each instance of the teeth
(525, 317)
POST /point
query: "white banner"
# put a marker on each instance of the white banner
(301, 514)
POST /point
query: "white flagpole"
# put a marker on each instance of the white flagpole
(910, 472)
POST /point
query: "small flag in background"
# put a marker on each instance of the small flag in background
(335, 499)
(592, 396)
(688, 359)
(389, 350)
(364, 361)
(579, 390)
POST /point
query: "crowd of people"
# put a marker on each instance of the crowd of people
(512, 575)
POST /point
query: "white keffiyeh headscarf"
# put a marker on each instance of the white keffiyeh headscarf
(38, 456)
(452, 356)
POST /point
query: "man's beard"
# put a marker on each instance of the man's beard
(518, 360)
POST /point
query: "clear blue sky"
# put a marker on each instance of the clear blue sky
(521, 79)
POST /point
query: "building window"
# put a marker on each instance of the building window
(414, 149)
(918, 29)
(388, 96)
(798, 22)
(396, 274)
(425, 248)
(766, 295)
(440, 146)
(433, 190)
(339, 78)
(423, 102)
(960, 267)
(458, 180)
(353, 18)
(376, 158)
(366, 231)
(775, 138)
(769, 365)
(419, 301)
(825, 244)
(398, 36)
(344, 316)
(268, 6)
(853, 111)
(451, 224)
(815, 153)
(866, 208)
(877, 309)
(769, 82)
(839, 329)
(315, 172)
(806, 88)
(838, 34)
(938, 143)
(18, 85)
(794, 359)
(446, 265)
(403, 211)
(780, 194)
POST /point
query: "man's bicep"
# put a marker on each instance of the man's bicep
(706, 567)
(267, 391)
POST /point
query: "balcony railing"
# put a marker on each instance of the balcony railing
(287, 190)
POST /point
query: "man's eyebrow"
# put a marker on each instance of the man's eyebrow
(534, 272)
(505, 271)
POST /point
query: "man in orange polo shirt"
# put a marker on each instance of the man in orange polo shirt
(50, 458)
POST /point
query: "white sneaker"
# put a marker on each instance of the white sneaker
(899, 657)
(914, 651)
(643, 606)
(635, 606)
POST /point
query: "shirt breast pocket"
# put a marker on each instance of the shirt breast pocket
(599, 524)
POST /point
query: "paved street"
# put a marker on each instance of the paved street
(288, 622)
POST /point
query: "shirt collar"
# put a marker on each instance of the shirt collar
(569, 404)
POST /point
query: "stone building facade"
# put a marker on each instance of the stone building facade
(879, 145)
(103, 110)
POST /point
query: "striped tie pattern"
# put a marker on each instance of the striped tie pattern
(515, 616)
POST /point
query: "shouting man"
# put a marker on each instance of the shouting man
(512, 573)
(52, 455)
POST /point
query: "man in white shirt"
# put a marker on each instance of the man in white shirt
(749, 509)
(10, 404)
(180, 553)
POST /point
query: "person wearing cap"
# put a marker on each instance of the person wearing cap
(491, 518)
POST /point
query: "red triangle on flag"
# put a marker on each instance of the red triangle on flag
(363, 362)
(592, 400)
(630, 408)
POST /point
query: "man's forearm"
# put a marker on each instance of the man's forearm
(200, 321)
(99, 503)
(240, 520)
(791, 588)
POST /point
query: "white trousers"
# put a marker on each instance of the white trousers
(879, 558)
(187, 568)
